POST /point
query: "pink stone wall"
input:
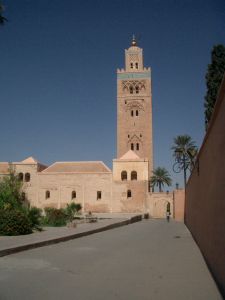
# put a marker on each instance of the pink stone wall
(205, 194)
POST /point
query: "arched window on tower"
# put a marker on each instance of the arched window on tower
(132, 113)
(131, 65)
(137, 89)
(137, 113)
(131, 90)
(27, 177)
(123, 175)
(137, 146)
(132, 146)
(133, 175)
(129, 194)
(47, 194)
(136, 65)
(73, 195)
(20, 176)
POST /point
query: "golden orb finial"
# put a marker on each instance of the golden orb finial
(134, 42)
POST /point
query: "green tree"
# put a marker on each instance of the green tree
(2, 19)
(185, 152)
(214, 76)
(160, 177)
(11, 195)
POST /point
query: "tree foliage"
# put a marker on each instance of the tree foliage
(214, 76)
(160, 177)
(2, 18)
(184, 152)
(15, 217)
(11, 196)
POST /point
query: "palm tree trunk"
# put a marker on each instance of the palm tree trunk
(160, 188)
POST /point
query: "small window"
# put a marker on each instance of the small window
(137, 146)
(125, 101)
(132, 113)
(23, 196)
(128, 136)
(99, 195)
(129, 195)
(47, 194)
(133, 175)
(132, 146)
(131, 65)
(123, 175)
(27, 177)
(136, 112)
(140, 135)
(137, 89)
(136, 65)
(131, 90)
(20, 176)
(73, 195)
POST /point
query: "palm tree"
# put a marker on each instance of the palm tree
(160, 177)
(185, 152)
(2, 19)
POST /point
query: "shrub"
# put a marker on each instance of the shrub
(71, 210)
(55, 217)
(34, 215)
(14, 222)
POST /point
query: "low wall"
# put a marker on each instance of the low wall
(205, 194)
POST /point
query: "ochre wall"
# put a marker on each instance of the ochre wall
(205, 194)
(179, 202)
(157, 204)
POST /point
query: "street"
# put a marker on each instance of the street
(151, 259)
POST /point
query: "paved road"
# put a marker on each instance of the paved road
(146, 260)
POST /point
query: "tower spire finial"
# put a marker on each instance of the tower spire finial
(134, 42)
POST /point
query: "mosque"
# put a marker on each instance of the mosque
(126, 187)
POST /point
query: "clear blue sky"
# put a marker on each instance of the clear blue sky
(58, 74)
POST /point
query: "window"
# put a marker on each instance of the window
(131, 65)
(132, 113)
(73, 195)
(133, 175)
(132, 146)
(129, 195)
(47, 194)
(123, 175)
(128, 136)
(140, 135)
(27, 177)
(131, 90)
(99, 195)
(137, 146)
(136, 65)
(20, 176)
(137, 89)
(23, 196)
(136, 112)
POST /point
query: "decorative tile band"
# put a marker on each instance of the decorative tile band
(133, 75)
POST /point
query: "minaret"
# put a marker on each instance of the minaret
(134, 106)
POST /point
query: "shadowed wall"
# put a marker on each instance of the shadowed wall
(205, 194)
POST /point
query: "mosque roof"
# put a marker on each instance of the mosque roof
(29, 160)
(130, 155)
(78, 167)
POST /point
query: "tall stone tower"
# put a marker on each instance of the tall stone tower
(134, 106)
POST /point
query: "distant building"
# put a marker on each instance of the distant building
(92, 183)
